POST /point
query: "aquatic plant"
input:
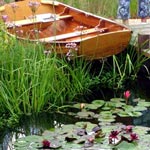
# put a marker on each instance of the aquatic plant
(106, 112)
(122, 69)
(127, 95)
(93, 137)
(32, 81)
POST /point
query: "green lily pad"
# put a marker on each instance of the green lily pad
(92, 106)
(117, 100)
(123, 114)
(100, 103)
(116, 111)
(135, 114)
(139, 108)
(126, 146)
(141, 130)
(78, 105)
(89, 125)
(86, 114)
(21, 143)
(106, 108)
(143, 103)
(106, 120)
(128, 108)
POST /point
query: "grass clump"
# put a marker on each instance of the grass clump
(32, 82)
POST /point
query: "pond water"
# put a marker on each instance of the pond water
(36, 125)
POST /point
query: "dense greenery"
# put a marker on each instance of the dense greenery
(106, 8)
(32, 81)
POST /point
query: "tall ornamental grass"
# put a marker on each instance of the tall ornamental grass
(31, 81)
(122, 68)
(105, 8)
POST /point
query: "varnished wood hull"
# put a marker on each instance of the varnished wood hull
(94, 37)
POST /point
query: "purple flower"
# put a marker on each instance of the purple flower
(14, 6)
(72, 52)
(34, 5)
(71, 46)
(5, 18)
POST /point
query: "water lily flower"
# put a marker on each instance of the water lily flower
(134, 137)
(113, 136)
(127, 95)
(128, 129)
(82, 106)
(46, 143)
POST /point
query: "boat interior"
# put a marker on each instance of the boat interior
(57, 23)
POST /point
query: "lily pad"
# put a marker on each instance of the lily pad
(126, 146)
(135, 114)
(78, 105)
(100, 103)
(139, 108)
(92, 106)
(117, 100)
(128, 108)
(86, 114)
(143, 103)
(123, 114)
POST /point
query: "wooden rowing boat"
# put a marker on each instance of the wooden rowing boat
(65, 28)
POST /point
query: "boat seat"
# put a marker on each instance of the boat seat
(73, 34)
(51, 2)
(40, 19)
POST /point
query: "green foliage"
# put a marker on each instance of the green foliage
(73, 137)
(107, 111)
(32, 81)
(101, 7)
(122, 69)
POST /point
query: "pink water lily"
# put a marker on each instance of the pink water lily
(127, 95)
(134, 137)
(113, 136)
(46, 143)
(128, 129)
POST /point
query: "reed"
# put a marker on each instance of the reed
(122, 68)
(32, 81)
(105, 8)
